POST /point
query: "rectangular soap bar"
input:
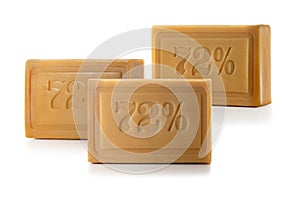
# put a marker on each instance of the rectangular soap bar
(239, 56)
(51, 85)
(149, 121)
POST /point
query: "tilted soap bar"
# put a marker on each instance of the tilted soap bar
(237, 55)
(149, 121)
(51, 86)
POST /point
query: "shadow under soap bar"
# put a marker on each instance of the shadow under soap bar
(149, 121)
(51, 86)
(237, 55)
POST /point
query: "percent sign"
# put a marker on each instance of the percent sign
(178, 121)
(229, 65)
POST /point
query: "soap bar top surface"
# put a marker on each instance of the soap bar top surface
(238, 55)
(51, 86)
(149, 121)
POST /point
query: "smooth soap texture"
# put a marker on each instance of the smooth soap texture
(149, 121)
(241, 55)
(51, 85)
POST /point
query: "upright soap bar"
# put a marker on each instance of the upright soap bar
(149, 121)
(237, 55)
(51, 86)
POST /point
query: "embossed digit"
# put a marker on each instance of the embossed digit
(202, 54)
(151, 111)
(58, 86)
(125, 116)
(70, 88)
(184, 53)
(73, 88)
(144, 108)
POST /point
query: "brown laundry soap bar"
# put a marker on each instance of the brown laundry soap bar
(238, 55)
(51, 85)
(149, 121)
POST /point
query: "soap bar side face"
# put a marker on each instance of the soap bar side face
(146, 126)
(265, 64)
(238, 55)
(51, 86)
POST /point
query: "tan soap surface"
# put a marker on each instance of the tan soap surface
(51, 86)
(237, 55)
(149, 121)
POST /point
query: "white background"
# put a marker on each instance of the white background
(257, 156)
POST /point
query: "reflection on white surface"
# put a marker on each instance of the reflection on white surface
(61, 146)
(68, 152)
(240, 115)
(186, 169)
(173, 169)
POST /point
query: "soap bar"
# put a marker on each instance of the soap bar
(51, 86)
(149, 121)
(239, 56)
